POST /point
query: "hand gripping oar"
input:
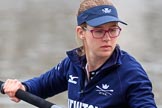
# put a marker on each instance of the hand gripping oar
(31, 99)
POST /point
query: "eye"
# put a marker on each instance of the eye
(99, 31)
(112, 30)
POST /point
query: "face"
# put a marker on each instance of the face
(98, 46)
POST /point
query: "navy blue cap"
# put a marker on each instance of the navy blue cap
(99, 15)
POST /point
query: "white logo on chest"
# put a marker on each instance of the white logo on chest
(72, 79)
(104, 90)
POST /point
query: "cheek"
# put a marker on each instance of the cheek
(114, 41)
(90, 43)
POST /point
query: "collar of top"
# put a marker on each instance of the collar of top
(99, 15)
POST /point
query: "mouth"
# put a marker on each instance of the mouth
(106, 47)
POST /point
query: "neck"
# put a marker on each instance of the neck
(94, 63)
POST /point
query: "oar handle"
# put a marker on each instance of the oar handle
(31, 99)
(1, 87)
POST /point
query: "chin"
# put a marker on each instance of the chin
(106, 54)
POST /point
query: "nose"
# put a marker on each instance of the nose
(106, 37)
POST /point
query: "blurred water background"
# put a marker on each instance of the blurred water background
(34, 35)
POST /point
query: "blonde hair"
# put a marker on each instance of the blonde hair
(86, 4)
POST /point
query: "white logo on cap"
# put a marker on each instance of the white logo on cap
(106, 10)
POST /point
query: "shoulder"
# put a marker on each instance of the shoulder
(63, 65)
(129, 60)
(130, 66)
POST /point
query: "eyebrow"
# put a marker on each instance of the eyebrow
(103, 26)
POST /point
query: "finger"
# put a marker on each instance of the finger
(11, 86)
(7, 86)
(15, 99)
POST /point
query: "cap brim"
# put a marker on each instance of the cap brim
(102, 20)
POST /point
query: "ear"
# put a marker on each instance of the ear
(80, 32)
